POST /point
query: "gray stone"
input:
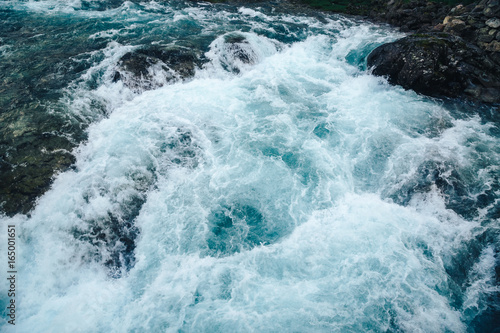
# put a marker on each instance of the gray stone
(494, 46)
(493, 3)
(478, 9)
(491, 12)
(473, 91)
(471, 20)
(485, 38)
(455, 25)
(460, 9)
(493, 23)
(489, 95)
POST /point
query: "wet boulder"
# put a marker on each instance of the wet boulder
(439, 65)
(153, 67)
(239, 47)
(234, 52)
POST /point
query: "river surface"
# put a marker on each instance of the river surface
(285, 190)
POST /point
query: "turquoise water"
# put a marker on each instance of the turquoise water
(285, 190)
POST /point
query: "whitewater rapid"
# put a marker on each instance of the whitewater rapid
(294, 193)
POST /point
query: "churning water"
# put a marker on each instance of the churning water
(282, 188)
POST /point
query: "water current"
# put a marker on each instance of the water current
(276, 187)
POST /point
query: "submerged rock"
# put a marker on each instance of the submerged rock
(438, 64)
(150, 68)
(240, 50)
(33, 146)
(27, 174)
(235, 52)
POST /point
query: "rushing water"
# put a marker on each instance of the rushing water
(285, 190)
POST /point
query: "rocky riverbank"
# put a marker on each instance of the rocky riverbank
(454, 53)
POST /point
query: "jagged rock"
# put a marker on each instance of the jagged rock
(26, 170)
(150, 68)
(438, 64)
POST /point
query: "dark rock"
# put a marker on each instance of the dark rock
(113, 234)
(438, 27)
(491, 11)
(237, 53)
(477, 9)
(440, 65)
(486, 38)
(472, 22)
(153, 67)
(33, 146)
(410, 16)
(236, 46)
(494, 46)
(483, 31)
(458, 10)
(26, 172)
(446, 178)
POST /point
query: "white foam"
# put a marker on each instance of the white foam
(481, 284)
(238, 56)
(253, 13)
(302, 136)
